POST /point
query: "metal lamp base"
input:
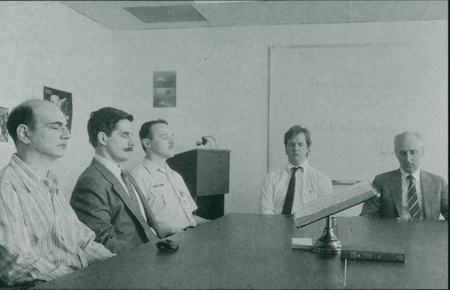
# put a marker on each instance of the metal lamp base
(328, 245)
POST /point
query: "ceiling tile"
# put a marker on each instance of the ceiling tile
(112, 15)
(236, 13)
(177, 13)
(436, 10)
(368, 11)
(293, 12)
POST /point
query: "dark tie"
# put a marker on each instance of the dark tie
(287, 208)
(413, 201)
(151, 221)
(126, 179)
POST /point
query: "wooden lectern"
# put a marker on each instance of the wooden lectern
(207, 176)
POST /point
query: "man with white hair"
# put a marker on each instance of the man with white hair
(408, 192)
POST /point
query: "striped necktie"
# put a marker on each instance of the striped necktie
(130, 190)
(152, 230)
(287, 207)
(413, 201)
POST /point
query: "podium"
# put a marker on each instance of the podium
(206, 173)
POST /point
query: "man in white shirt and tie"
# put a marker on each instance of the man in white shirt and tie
(288, 188)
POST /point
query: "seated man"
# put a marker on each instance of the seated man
(106, 198)
(408, 192)
(165, 190)
(286, 189)
(41, 237)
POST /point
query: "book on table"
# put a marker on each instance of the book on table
(365, 255)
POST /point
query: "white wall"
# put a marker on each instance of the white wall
(222, 85)
(222, 79)
(48, 44)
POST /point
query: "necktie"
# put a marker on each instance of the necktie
(153, 231)
(130, 190)
(287, 208)
(413, 201)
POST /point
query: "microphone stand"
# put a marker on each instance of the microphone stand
(206, 140)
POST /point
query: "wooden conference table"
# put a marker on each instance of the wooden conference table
(254, 251)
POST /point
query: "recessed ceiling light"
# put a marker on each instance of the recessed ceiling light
(159, 14)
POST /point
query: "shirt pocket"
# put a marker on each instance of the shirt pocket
(310, 194)
(156, 198)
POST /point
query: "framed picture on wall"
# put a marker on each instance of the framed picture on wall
(164, 89)
(3, 129)
(61, 99)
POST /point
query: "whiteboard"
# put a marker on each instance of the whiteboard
(354, 99)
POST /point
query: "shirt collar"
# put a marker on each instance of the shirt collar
(405, 174)
(304, 165)
(30, 178)
(111, 166)
(153, 167)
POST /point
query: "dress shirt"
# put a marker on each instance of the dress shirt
(116, 170)
(167, 195)
(41, 237)
(405, 184)
(310, 184)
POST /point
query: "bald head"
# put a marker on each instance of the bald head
(409, 150)
(26, 114)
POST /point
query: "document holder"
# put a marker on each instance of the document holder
(331, 204)
(328, 245)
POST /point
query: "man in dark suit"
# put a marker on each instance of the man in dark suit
(106, 198)
(408, 192)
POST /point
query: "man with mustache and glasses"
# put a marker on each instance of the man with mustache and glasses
(165, 190)
(106, 198)
(408, 192)
(41, 237)
(288, 188)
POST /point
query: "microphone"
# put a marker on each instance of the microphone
(205, 140)
(202, 142)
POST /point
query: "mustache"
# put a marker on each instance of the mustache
(128, 149)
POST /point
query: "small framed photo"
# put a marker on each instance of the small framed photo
(3, 129)
(164, 89)
(63, 100)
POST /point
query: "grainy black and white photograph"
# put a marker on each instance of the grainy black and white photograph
(224, 144)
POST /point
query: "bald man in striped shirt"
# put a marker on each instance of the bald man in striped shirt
(41, 237)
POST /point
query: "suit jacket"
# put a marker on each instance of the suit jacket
(389, 185)
(102, 203)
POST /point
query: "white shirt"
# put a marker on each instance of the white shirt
(310, 184)
(167, 195)
(405, 184)
(116, 170)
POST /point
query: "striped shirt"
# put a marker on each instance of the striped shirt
(41, 237)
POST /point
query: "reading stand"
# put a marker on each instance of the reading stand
(328, 245)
